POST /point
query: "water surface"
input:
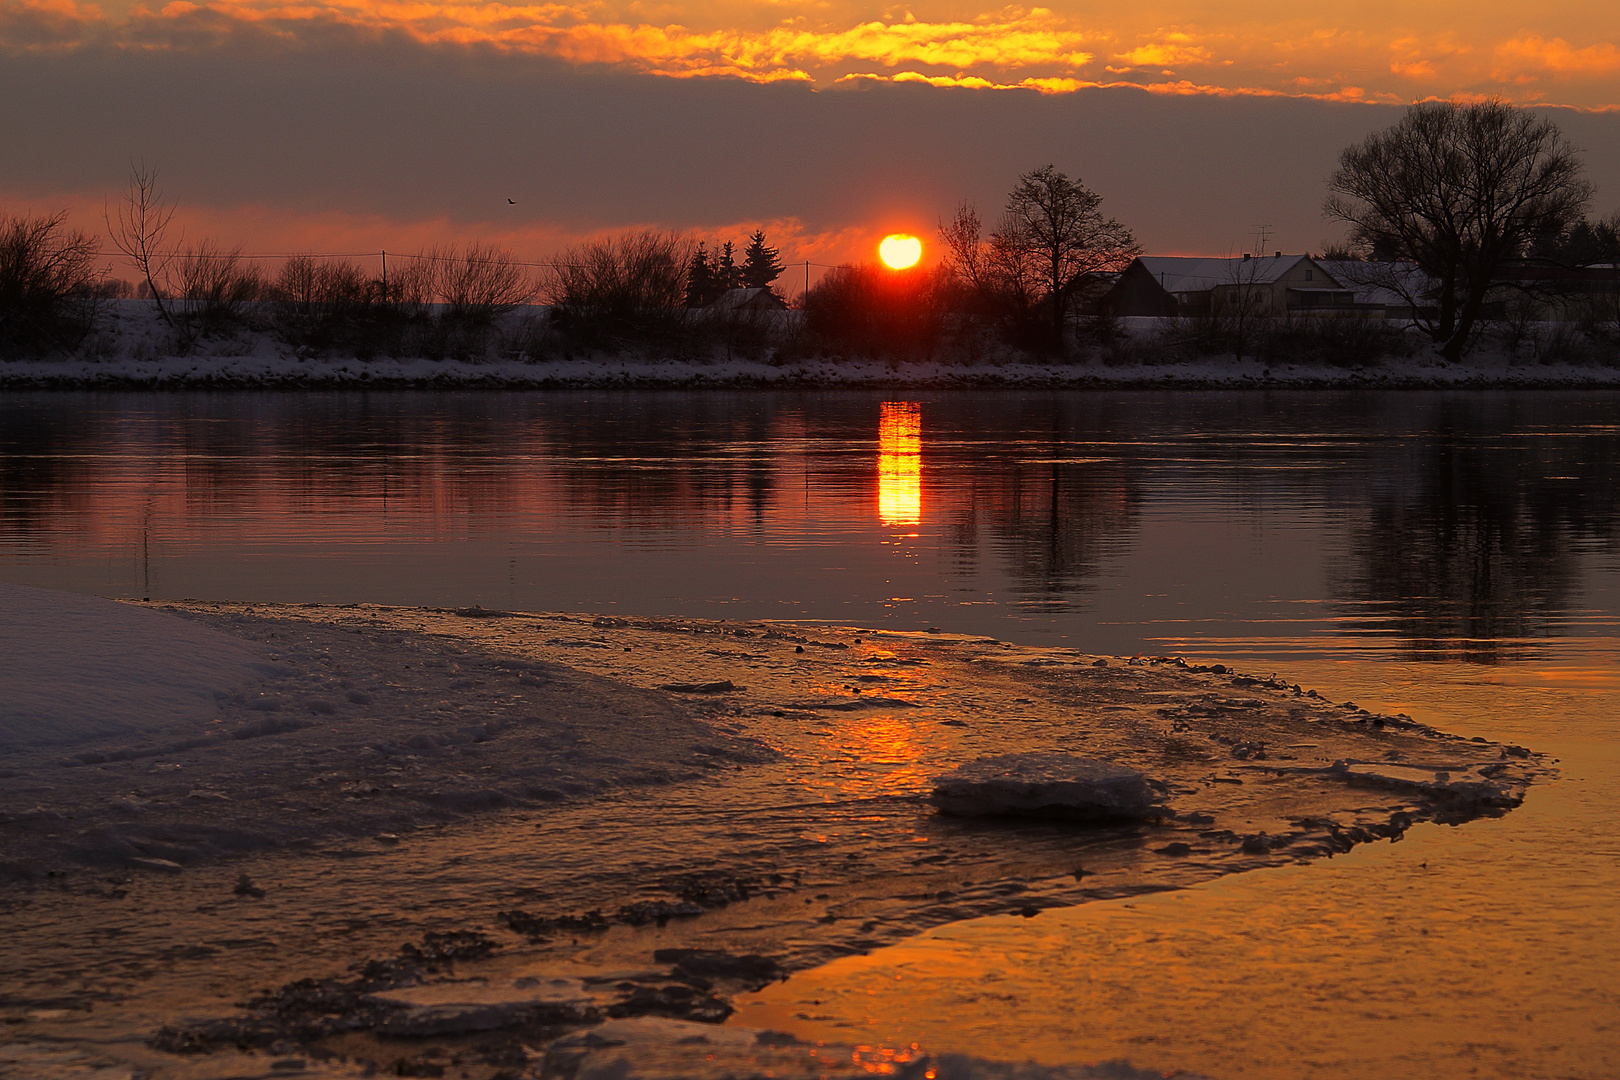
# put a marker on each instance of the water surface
(1449, 555)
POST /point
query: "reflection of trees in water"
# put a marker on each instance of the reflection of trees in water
(1054, 483)
(46, 455)
(1054, 523)
(664, 461)
(1470, 541)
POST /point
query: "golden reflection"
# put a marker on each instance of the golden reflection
(900, 463)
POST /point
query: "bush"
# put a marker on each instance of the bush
(327, 305)
(212, 287)
(480, 284)
(877, 311)
(621, 290)
(48, 285)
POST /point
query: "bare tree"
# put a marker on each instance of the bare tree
(140, 231)
(1056, 228)
(1052, 240)
(622, 275)
(48, 283)
(1458, 190)
(481, 282)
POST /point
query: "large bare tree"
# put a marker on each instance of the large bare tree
(1458, 190)
(1051, 240)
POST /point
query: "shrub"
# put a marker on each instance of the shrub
(212, 287)
(327, 305)
(621, 289)
(48, 285)
(877, 311)
(480, 284)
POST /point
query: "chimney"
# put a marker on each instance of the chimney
(1245, 256)
(1279, 254)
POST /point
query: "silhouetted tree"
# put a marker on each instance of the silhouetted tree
(761, 265)
(1458, 190)
(1052, 241)
(877, 311)
(700, 283)
(727, 274)
(140, 231)
(1584, 243)
(48, 284)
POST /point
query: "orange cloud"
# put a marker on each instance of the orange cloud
(1557, 56)
(1170, 51)
(1270, 49)
(46, 25)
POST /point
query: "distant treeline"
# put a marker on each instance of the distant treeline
(1462, 194)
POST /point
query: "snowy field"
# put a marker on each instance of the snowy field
(254, 840)
(135, 350)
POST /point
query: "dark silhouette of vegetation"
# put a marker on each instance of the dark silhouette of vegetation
(702, 283)
(1459, 190)
(48, 285)
(621, 290)
(878, 311)
(210, 289)
(708, 277)
(761, 264)
(1046, 256)
(139, 229)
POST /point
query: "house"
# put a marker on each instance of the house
(1253, 286)
(743, 300)
(1386, 290)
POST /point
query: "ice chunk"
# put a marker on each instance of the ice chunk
(1046, 785)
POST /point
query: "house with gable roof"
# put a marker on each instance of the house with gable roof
(1255, 286)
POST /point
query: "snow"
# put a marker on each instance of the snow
(133, 351)
(1045, 785)
(79, 668)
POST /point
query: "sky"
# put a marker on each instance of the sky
(365, 125)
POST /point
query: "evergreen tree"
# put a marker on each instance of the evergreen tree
(727, 274)
(700, 283)
(761, 264)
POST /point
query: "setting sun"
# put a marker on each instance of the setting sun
(899, 251)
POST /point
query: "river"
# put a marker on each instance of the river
(1452, 555)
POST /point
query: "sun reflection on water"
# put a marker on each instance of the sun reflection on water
(900, 463)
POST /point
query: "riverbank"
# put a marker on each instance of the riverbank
(409, 838)
(250, 372)
(135, 350)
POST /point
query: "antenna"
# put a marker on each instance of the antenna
(1262, 238)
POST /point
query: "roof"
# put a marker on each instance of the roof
(1388, 283)
(1178, 274)
(736, 299)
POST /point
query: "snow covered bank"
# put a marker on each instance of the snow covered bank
(135, 351)
(80, 668)
(225, 372)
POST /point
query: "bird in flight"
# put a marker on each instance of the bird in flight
(512, 201)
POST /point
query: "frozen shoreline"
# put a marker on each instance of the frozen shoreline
(253, 372)
(573, 798)
(134, 351)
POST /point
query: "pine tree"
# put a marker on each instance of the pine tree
(700, 283)
(727, 274)
(761, 264)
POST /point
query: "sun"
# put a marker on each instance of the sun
(899, 251)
